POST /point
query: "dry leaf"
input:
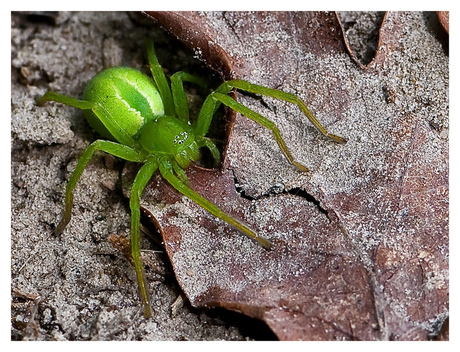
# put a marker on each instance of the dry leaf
(362, 241)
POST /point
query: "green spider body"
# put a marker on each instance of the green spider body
(147, 121)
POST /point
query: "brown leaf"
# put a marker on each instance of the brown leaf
(362, 241)
(444, 19)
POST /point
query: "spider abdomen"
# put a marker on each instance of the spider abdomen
(127, 97)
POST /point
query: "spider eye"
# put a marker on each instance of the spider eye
(181, 138)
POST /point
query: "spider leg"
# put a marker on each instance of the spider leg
(179, 172)
(166, 171)
(118, 133)
(209, 108)
(290, 98)
(113, 148)
(160, 79)
(206, 142)
(181, 105)
(231, 103)
(66, 100)
(219, 96)
(178, 93)
(142, 177)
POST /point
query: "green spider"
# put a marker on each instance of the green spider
(148, 122)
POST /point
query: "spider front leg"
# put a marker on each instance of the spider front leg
(288, 97)
(216, 98)
(166, 171)
(219, 96)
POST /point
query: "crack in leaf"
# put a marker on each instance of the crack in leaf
(278, 189)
